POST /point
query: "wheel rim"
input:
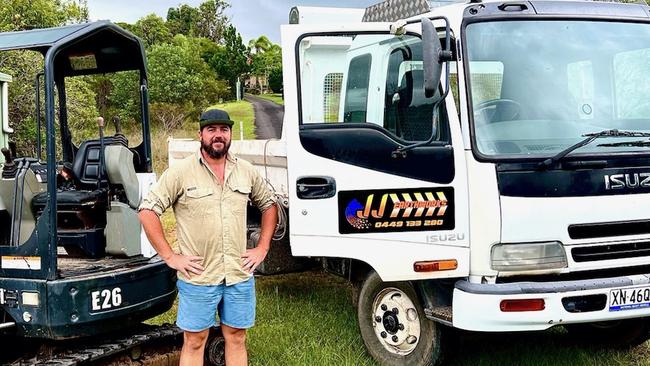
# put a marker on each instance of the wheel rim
(396, 321)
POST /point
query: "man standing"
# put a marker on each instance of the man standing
(209, 192)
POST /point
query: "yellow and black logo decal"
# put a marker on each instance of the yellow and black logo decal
(415, 209)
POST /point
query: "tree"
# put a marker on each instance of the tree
(152, 30)
(28, 14)
(261, 44)
(266, 60)
(179, 75)
(207, 21)
(230, 61)
(182, 20)
(212, 21)
(275, 80)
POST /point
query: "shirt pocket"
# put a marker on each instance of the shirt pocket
(240, 197)
(200, 200)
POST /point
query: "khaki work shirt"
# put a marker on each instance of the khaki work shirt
(210, 218)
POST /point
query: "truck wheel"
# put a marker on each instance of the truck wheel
(615, 334)
(393, 325)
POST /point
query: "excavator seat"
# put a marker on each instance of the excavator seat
(81, 209)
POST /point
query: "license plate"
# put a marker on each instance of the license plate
(629, 298)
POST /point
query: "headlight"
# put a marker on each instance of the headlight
(528, 256)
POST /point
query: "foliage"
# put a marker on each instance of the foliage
(207, 21)
(194, 59)
(275, 80)
(266, 64)
(178, 74)
(123, 97)
(260, 44)
(28, 14)
(23, 66)
(230, 61)
(152, 29)
(212, 22)
(82, 110)
(182, 20)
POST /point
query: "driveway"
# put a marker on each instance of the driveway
(268, 117)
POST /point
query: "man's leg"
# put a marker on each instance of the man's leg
(235, 346)
(197, 307)
(193, 348)
(237, 313)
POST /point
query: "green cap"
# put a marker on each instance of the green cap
(215, 117)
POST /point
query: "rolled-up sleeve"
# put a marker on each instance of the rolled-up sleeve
(261, 195)
(163, 194)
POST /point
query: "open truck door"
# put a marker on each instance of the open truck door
(376, 164)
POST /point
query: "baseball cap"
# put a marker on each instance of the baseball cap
(215, 117)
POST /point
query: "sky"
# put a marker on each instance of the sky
(252, 18)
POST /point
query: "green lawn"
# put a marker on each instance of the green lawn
(308, 319)
(275, 98)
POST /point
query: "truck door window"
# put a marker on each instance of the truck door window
(362, 97)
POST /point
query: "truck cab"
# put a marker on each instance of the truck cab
(511, 197)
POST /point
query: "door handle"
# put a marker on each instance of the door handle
(314, 188)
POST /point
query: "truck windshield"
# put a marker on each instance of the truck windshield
(538, 86)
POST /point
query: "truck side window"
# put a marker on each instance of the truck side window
(361, 97)
(356, 89)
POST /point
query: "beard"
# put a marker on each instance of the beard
(213, 152)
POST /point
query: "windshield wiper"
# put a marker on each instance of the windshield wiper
(589, 138)
(640, 143)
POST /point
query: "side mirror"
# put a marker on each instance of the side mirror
(431, 57)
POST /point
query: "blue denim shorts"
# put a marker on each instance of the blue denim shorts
(198, 305)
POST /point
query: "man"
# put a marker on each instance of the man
(209, 192)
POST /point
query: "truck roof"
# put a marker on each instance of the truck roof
(393, 10)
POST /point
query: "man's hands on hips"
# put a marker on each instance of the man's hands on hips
(185, 264)
(253, 257)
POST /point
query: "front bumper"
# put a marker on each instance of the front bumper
(476, 307)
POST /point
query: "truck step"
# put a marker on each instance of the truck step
(440, 314)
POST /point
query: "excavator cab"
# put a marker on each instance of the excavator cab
(74, 261)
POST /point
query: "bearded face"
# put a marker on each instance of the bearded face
(215, 140)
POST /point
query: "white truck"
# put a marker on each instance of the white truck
(509, 192)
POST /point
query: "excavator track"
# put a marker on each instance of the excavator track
(149, 345)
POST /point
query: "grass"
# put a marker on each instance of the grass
(308, 318)
(275, 98)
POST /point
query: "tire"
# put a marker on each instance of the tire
(425, 349)
(613, 334)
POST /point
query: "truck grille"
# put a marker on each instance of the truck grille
(609, 229)
(611, 251)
